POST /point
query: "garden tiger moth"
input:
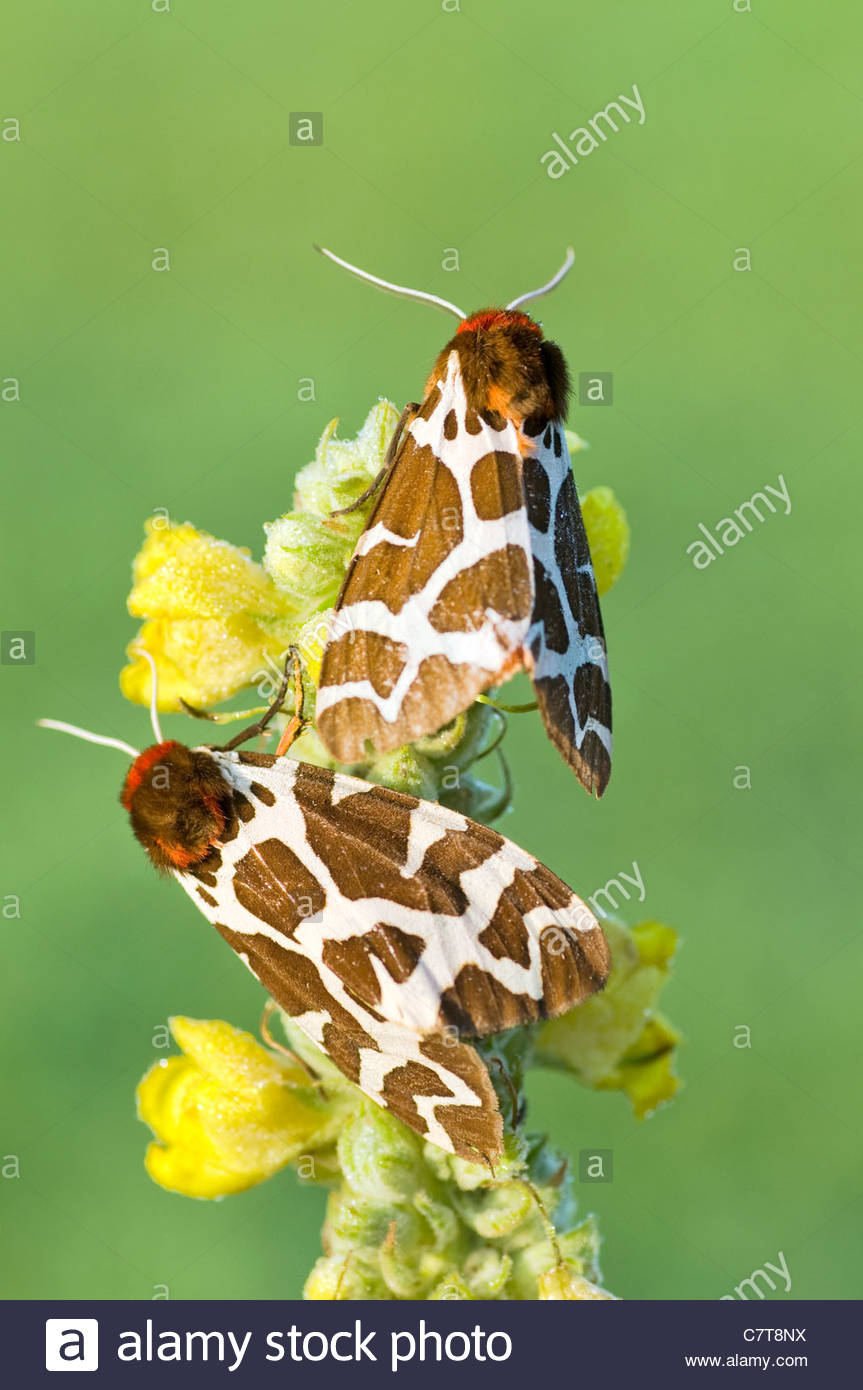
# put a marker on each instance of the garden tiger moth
(391, 930)
(474, 562)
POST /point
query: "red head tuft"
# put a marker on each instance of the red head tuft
(484, 319)
(142, 765)
(178, 802)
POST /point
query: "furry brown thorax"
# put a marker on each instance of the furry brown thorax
(178, 802)
(508, 367)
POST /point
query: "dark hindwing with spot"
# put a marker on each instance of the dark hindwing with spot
(565, 647)
(437, 599)
(392, 930)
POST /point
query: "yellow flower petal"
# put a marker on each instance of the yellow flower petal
(645, 1073)
(656, 943)
(203, 662)
(162, 1095)
(228, 1114)
(216, 621)
(184, 573)
(231, 1056)
(192, 1173)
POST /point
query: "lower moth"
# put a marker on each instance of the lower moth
(390, 929)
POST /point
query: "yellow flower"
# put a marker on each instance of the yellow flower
(616, 1040)
(227, 1114)
(215, 620)
(646, 1070)
(562, 1282)
(608, 533)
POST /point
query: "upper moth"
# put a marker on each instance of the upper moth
(474, 562)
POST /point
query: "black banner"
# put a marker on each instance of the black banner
(425, 1344)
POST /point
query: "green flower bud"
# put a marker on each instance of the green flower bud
(379, 1156)
(440, 1219)
(404, 770)
(465, 738)
(355, 1275)
(452, 1288)
(306, 557)
(405, 1276)
(498, 1212)
(486, 1272)
(343, 469)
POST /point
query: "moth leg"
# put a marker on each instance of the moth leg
(298, 720)
(261, 724)
(195, 712)
(503, 802)
(513, 1094)
(270, 1008)
(411, 409)
(369, 492)
(218, 717)
(526, 708)
(501, 734)
(405, 418)
(500, 798)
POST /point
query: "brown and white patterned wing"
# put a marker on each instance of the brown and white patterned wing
(437, 599)
(390, 929)
(565, 648)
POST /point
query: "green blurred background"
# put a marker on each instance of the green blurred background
(144, 129)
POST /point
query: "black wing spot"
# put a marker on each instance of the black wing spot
(537, 490)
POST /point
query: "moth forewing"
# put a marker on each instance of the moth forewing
(436, 603)
(392, 930)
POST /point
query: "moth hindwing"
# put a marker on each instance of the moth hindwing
(391, 930)
(474, 563)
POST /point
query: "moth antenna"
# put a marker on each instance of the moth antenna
(552, 283)
(154, 690)
(401, 290)
(88, 737)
